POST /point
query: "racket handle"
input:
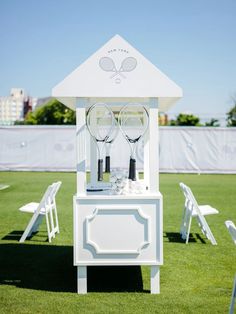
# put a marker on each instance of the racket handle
(100, 169)
(132, 169)
(107, 165)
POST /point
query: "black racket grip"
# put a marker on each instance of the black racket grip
(107, 165)
(132, 169)
(100, 169)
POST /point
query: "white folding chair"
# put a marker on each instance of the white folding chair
(46, 207)
(232, 230)
(192, 209)
(231, 308)
(4, 186)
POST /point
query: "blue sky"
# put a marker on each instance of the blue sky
(191, 41)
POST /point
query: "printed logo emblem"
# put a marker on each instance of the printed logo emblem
(127, 65)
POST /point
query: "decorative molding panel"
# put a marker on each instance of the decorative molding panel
(118, 230)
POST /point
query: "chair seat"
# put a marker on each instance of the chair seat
(31, 208)
(206, 210)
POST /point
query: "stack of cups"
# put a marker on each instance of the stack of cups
(118, 178)
(121, 185)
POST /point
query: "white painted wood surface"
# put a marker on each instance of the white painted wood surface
(124, 230)
(90, 80)
(82, 279)
(153, 155)
(155, 279)
(81, 149)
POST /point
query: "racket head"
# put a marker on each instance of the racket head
(114, 132)
(133, 121)
(100, 122)
(128, 64)
(107, 64)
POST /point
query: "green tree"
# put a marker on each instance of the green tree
(231, 116)
(19, 122)
(213, 122)
(54, 112)
(186, 120)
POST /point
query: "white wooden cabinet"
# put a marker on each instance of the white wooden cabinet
(118, 230)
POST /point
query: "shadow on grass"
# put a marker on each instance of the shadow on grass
(36, 236)
(176, 237)
(50, 268)
(115, 278)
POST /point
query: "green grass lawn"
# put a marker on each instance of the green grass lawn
(38, 277)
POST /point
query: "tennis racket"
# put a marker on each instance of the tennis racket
(127, 65)
(107, 64)
(133, 121)
(100, 123)
(108, 145)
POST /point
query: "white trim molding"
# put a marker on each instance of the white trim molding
(116, 214)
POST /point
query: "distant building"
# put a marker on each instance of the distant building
(163, 119)
(12, 107)
(15, 107)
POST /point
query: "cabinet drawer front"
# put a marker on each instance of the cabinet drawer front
(127, 232)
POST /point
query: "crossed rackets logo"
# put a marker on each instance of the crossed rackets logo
(127, 65)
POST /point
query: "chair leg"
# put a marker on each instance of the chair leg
(37, 224)
(189, 227)
(30, 227)
(231, 309)
(207, 230)
(52, 221)
(48, 227)
(183, 224)
(56, 217)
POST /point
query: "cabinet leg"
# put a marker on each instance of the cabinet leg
(82, 279)
(155, 279)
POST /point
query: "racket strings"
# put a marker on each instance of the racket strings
(133, 121)
(100, 122)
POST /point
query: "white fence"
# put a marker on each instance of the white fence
(182, 149)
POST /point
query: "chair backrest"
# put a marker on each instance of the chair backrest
(52, 210)
(232, 229)
(56, 187)
(44, 199)
(50, 197)
(190, 201)
(187, 215)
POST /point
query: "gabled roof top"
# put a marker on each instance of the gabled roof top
(117, 70)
